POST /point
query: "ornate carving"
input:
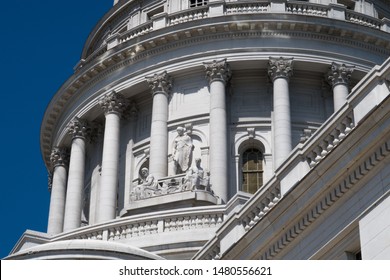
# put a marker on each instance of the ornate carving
(160, 82)
(59, 156)
(195, 179)
(251, 132)
(113, 102)
(78, 128)
(182, 151)
(280, 67)
(339, 74)
(218, 70)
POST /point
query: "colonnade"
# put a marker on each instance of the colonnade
(68, 183)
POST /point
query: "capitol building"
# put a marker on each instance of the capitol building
(222, 129)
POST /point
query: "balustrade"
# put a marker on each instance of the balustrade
(307, 9)
(363, 19)
(330, 140)
(245, 8)
(188, 15)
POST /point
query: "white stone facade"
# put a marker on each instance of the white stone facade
(298, 88)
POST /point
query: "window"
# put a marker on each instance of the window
(155, 11)
(350, 4)
(252, 170)
(197, 3)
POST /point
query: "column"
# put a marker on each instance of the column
(79, 130)
(338, 77)
(113, 105)
(59, 160)
(218, 73)
(280, 70)
(160, 85)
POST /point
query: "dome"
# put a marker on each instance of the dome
(187, 124)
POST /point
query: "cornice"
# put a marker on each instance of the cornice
(213, 29)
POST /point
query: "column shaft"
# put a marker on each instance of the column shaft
(74, 194)
(113, 105)
(110, 163)
(160, 84)
(219, 74)
(282, 120)
(340, 93)
(338, 77)
(158, 165)
(280, 70)
(57, 200)
(218, 139)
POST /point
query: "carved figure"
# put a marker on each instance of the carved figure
(196, 177)
(146, 188)
(182, 152)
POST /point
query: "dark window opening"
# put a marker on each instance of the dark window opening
(197, 3)
(252, 170)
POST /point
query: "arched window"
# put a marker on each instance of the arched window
(197, 3)
(252, 170)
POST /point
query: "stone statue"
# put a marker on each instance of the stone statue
(182, 152)
(197, 178)
(146, 188)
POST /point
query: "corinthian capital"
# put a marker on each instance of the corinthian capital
(78, 128)
(217, 70)
(280, 67)
(59, 156)
(113, 102)
(339, 74)
(160, 82)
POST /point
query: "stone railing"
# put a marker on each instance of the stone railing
(188, 15)
(267, 199)
(247, 8)
(304, 8)
(330, 140)
(136, 32)
(128, 228)
(363, 19)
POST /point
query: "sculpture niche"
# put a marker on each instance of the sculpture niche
(182, 151)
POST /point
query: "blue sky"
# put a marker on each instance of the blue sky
(40, 43)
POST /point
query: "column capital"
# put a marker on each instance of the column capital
(339, 74)
(218, 70)
(59, 156)
(78, 128)
(113, 102)
(280, 67)
(160, 82)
